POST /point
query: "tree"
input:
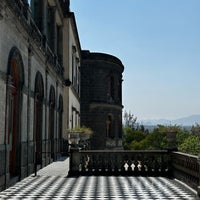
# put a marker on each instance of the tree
(132, 135)
(129, 119)
(195, 130)
(181, 136)
(190, 145)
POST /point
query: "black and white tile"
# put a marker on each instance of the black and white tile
(98, 187)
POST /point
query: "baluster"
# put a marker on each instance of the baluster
(87, 162)
(95, 163)
(126, 166)
(117, 164)
(112, 164)
(151, 165)
(163, 165)
(156, 165)
(81, 165)
(106, 163)
(132, 165)
(100, 164)
(109, 164)
(90, 163)
(121, 164)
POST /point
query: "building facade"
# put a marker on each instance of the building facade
(41, 79)
(101, 99)
(72, 60)
(38, 93)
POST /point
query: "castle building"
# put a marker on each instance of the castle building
(39, 84)
(101, 99)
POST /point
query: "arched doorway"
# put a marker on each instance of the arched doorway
(14, 104)
(52, 120)
(38, 124)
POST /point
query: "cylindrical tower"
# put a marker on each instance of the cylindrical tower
(101, 99)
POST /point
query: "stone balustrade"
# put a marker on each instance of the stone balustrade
(100, 162)
(186, 168)
(181, 166)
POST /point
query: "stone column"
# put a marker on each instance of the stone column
(56, 122)
(29, 146)
(47, 140)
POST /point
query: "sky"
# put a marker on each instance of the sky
(158, 42)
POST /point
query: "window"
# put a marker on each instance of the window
(109, 127)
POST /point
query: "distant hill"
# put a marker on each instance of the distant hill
(185, 121)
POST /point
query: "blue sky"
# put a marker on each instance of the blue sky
(158, 42)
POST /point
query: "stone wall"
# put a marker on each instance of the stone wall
(18, 32)
(101, 77)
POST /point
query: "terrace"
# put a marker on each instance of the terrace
(183, 167)
(112, 175)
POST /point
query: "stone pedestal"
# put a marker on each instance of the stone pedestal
(171, 138)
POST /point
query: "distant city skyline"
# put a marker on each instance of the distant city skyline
(158, 42)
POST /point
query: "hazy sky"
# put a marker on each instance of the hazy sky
(158, 41)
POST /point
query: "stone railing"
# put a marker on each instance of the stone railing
(186, 169)
(143, 163)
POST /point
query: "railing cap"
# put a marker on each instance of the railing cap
(123, 151)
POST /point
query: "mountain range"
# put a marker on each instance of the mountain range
(185, 121)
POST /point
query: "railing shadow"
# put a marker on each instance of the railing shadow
(155, 163)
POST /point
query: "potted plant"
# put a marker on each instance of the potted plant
(77, 134)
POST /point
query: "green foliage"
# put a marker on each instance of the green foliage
(82, 129)
(157, 140)
(135, 136)
(129, 119)
(181, 136)
(196, 130)
(190, 145)
(140, 139)
(131, 135)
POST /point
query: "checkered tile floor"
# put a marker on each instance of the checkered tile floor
(100, 187)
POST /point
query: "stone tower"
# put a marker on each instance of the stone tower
(101, 99)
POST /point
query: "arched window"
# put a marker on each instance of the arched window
(52, 120)
(14, 105)
(38, 124)
(109, 127)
